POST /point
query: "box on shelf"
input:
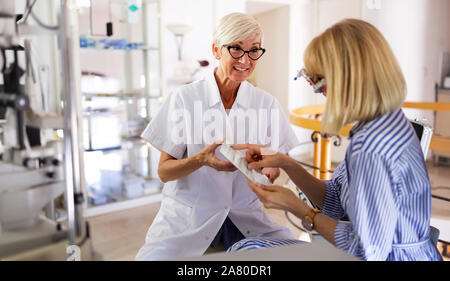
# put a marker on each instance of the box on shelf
(133, 186)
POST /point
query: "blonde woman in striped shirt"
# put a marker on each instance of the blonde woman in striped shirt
(382, 188)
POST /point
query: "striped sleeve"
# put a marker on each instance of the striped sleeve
(260, 242)
(372, 209)
(332, 206)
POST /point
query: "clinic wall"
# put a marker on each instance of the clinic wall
(418, 31)
(295, 33)
(329, 12)
(272, 73)
(198, 14)
(307, 19)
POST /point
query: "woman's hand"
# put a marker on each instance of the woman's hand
(271, 173)
(259, 156)
(277, 197)
(208, 158)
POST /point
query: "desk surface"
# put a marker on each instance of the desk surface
(315, 251)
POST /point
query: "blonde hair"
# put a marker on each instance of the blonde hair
(236, 27)
(364, 79)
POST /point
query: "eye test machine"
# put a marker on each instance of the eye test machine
(36, 167)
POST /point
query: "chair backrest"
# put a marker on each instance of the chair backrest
(434, 235)
(424, 132)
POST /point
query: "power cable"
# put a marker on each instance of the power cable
(29, 11)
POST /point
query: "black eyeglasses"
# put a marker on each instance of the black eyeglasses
(237, 53)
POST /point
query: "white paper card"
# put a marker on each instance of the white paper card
(239, 160)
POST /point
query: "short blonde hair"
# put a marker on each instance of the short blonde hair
(364, 79)
(236, 27)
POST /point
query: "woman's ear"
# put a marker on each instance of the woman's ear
(216, 51)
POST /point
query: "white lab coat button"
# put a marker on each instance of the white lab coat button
(248, 232)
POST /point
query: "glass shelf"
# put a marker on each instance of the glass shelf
(119, 168)
(122, 95)
(120, 49)
(117, 179)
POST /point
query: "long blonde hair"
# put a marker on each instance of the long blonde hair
(364, 79)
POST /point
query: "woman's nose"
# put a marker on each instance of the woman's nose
(244, 59)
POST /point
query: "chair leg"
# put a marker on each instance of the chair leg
(325, 157)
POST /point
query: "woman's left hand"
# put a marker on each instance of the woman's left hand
(277, 197)
(271, 173)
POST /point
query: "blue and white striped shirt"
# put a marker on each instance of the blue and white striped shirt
(384, 190)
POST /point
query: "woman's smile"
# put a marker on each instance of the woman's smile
(240, 69)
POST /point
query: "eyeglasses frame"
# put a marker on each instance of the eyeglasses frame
(243, 54)
(316, 86)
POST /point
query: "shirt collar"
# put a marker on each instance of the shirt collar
(243, 95)
(358, 127)
(214, 98)
(214, 94)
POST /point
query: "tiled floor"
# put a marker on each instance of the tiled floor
(119, 235)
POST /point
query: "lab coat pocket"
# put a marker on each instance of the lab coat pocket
(184, 190)
(175, 217)
(187, 189)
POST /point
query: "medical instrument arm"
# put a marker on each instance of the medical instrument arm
(312, 187)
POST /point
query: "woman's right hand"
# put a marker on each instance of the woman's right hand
(259, 156)
(208, 158)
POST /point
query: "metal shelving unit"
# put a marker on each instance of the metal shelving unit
(136, 105)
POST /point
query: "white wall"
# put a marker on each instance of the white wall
(303, 25)
(299, 33)
(224, 7)
(329, 12)
(272, 70)
(197, 43)
(418, 31)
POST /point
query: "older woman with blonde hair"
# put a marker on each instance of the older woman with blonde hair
(377, 206)
(207, 204)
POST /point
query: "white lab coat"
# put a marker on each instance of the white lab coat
(194, 207)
